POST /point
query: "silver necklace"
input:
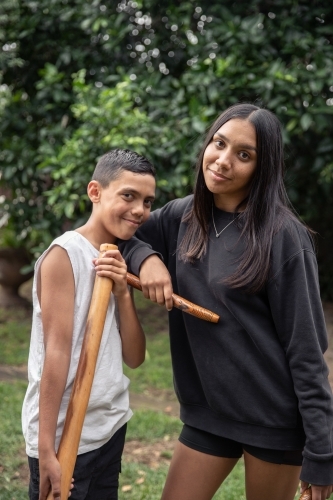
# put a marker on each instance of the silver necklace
(216, 233)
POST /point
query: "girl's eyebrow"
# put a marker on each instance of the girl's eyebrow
(245, 146)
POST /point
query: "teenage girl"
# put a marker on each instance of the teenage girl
(254, 384)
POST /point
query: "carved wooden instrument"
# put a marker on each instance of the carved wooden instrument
(306, 495)
(80, 394)
(182, 304)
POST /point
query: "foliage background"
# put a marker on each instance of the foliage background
(78, 78)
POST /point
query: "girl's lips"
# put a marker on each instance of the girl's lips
(217, 175)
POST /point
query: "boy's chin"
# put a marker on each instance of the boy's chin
(125, 235)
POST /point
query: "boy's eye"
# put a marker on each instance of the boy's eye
(149, 203)
(128, 196)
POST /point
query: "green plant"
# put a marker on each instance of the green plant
(182, 63)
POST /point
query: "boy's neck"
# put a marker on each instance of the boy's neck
(95, 235)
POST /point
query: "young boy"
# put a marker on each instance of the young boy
(122, 190)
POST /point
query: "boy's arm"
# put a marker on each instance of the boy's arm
(133, 339)
(56, 296)
(132, 336)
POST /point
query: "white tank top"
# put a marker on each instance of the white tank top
(108, 407)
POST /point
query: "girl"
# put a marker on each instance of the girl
(254, 384)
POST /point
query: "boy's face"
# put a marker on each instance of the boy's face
(122, 207)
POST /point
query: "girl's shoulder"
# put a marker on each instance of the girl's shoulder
(292, 240)
(293, 233)
(176, 208)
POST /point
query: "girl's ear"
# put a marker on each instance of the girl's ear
(94, 190)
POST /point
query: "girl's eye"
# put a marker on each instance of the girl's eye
(219, 143)
(244, 155)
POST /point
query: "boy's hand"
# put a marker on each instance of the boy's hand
(113, 266)
(156, 281)
(49, 477)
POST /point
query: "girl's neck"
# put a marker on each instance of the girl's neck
(229, 205)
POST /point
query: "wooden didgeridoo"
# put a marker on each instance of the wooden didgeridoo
(182, 304)
(78, 402)
(306, 495)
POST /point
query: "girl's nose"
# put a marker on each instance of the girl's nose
(223, 160)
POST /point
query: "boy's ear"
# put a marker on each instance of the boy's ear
(94, 190)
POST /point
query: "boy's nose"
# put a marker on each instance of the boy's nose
(138, 209)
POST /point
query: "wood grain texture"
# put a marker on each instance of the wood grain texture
(182, 304)
(80, 394)
(306, 495)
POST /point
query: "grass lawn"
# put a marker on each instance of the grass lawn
(14, 336)
(146, 428)
(11, 441)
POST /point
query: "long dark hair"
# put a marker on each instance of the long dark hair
(267, 204)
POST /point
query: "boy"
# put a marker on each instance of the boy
(122, 190)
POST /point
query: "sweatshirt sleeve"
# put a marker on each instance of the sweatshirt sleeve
(158, 235)
(294, 297)
(135, 251)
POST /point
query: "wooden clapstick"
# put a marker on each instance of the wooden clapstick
(78, 402)
(180, 303)
(306, 495)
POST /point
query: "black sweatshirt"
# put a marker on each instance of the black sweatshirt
(258, 376)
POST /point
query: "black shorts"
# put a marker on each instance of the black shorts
(96, 473)
(223, 447)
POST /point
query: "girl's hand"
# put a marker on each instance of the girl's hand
(112, 265)
(321, 492)
(318, 492)
(156, 282)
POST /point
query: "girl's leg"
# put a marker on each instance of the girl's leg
(269, 481)
(194, 475)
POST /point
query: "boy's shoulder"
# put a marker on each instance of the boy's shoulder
(74, 244)
(73, 239)
(66, 238)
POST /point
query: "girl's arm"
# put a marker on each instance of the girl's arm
(294, 298)
(113, 266)
(56, 297)
(156, 281)
(151, 253)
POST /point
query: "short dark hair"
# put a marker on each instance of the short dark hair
(112, 163)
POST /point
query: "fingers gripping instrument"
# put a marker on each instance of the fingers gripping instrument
(78, 402)
(182, 304)
(306, 495)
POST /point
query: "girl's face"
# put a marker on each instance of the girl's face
(229, 163)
